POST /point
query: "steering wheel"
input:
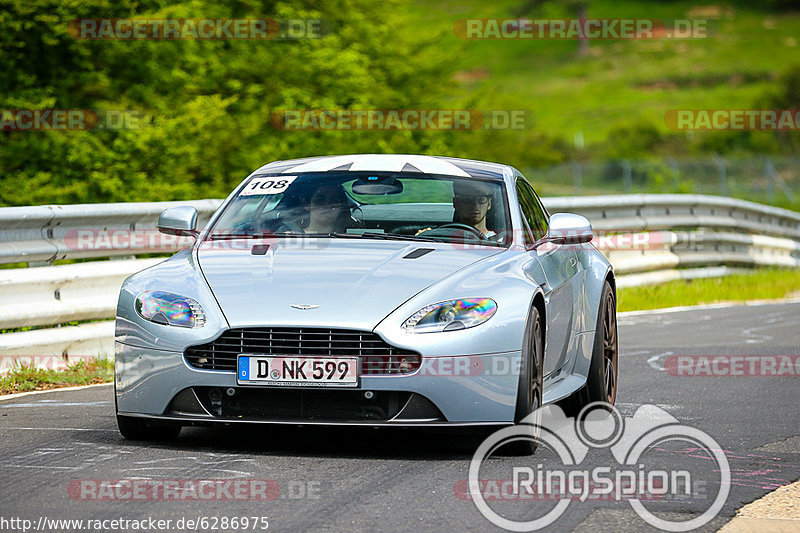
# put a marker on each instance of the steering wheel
(280, 225)
(464, 227)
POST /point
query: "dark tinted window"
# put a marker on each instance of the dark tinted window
(532, 209)
(526, 230)
(399, 205)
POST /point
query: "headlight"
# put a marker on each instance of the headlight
(451, 315)
(170, 309)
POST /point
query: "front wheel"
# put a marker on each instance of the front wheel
(602, 381)
(529, 391)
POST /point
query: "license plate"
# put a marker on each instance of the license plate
(287, 371)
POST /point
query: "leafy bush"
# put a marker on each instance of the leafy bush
(205, 105)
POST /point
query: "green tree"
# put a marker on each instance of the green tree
(205, 105)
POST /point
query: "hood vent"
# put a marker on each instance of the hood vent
(419, 252)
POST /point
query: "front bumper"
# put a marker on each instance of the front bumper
(463, 390)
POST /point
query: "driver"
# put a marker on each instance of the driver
(471, 201)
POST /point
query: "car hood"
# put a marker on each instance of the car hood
(345, 283)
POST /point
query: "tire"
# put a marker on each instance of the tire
(529, 390)
(603, 379)
(134, 428)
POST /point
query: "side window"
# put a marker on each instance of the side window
(541, 214)
(539, 206)
(526, 231)
(532, 209)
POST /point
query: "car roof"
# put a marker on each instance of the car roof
(424, 164)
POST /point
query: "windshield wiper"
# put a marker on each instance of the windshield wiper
(386, 236)
(337, 235)
(402, 237)
(252, 235)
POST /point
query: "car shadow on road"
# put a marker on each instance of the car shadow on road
(349, 442)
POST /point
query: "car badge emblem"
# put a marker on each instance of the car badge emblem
(304, 306)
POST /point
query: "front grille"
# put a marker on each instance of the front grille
(377, 356)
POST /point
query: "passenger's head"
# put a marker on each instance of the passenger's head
(328, 209)
(471, 201)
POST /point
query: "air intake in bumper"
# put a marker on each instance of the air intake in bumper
(280, 405)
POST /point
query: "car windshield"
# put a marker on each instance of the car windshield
(371, 205)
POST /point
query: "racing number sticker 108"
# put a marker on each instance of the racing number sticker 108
(267, 185)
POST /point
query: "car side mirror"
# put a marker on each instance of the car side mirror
(568, 228)
(181, 220)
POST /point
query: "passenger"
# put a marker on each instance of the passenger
(328, 210)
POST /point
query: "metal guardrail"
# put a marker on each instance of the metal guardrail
(48, 233)
(647, 212)
(675, 236)
(648, 238)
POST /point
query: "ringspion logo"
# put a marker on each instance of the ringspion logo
(637, 478)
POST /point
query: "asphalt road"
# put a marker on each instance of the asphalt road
(55, 444)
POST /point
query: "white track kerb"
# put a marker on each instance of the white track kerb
(628, 440)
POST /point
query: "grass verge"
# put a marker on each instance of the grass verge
(761, 284)
(26, 377)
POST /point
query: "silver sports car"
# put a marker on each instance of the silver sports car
(378, 290)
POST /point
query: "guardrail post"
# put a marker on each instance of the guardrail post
(722, 169)
(577, 174)
(769, 171)
(776, 178)
(627, 175)
(675, 171)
